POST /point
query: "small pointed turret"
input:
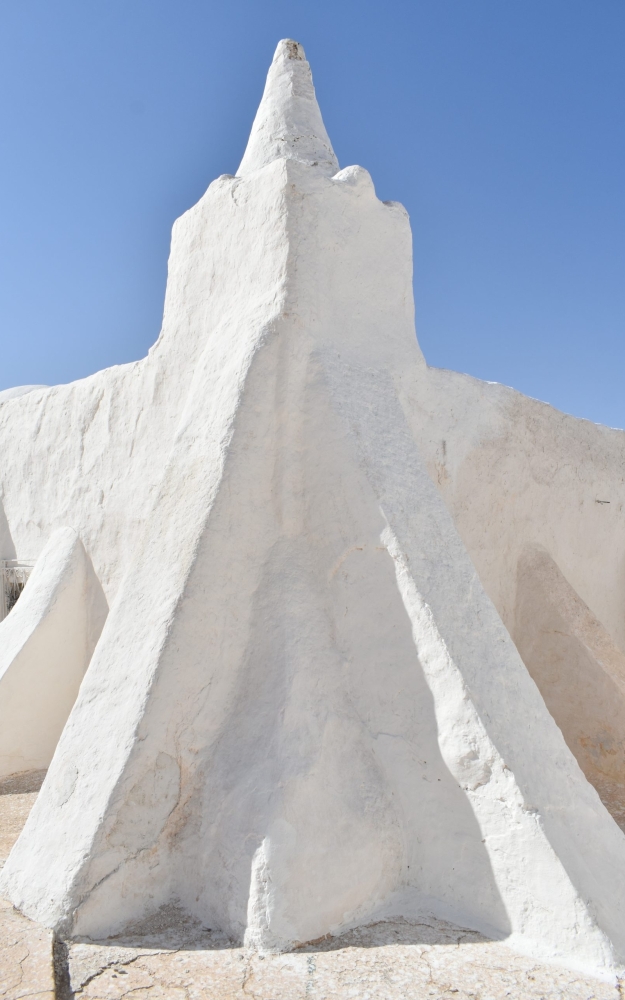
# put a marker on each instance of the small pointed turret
(288, 122)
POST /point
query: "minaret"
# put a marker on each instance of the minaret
(288, 122)
(304, 713)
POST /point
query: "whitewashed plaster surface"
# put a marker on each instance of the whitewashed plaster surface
(18, 390)
(304, 711)
(46, 644)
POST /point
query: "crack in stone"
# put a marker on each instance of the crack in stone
(60, 970)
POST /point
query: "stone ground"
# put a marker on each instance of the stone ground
(173, 958)
(25, 947)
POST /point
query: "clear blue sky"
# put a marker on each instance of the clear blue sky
(500, 124)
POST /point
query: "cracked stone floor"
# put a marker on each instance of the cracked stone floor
(173, 958)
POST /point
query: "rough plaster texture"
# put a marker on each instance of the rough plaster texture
(305, 712)
(46, 644)
(18, 390)
(288, 123)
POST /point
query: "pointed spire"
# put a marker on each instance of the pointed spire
(288, 122)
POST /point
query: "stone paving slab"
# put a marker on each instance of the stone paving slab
(17, 797)
(25, 947)
(25, 957)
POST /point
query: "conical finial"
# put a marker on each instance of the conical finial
(288, 122)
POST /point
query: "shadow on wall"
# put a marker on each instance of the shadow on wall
(7, 548)
(46, 643)
(173, 928)
(579, 670)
